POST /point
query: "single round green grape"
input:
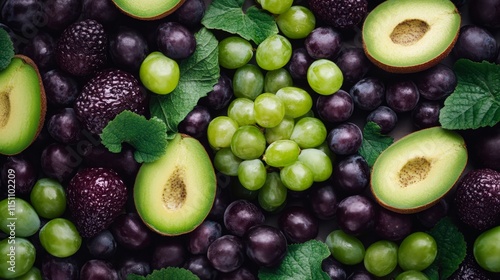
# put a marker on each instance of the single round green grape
(272, 196)
(319, 163)
(417, 251)
(381, 257)
(234, 52)
(412, 275)
(17, 256)
(269, 110)
(220, 131)
(297, 22)
(326, 149)
(60, 238)
(282, 131)
(252, 174)
(297, 176)
(297, 101)
(32, 274)
(159, 73)
(324, 77)
(309, 132)
(241, 110)
(281, 153)
(276, 6)
(486, 249)
(18, 217)
(248, 142)
(226, 162)
(345, 248)
(273, 53)
(277, 79)
(248, 81)
(48, 198)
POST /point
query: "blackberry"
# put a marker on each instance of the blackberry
(343, 14)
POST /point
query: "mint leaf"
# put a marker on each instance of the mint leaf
(373, 143)
(166, 274)
(199, 74)
(302, 262)
(452, 249)
(148, 137)
(476, 100)
(253, 24)
(6, 49)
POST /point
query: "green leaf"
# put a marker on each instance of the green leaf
(452, 249)
(253, 24)
(148, 137)
(373, 143)
(199, 73)
(168, 273)
(6, 49)
(302, 262)
(476, 100)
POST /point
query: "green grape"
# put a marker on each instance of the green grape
(248, 81)
(241, 110)
(412, 275)
(309, 132)
(234, 52)
(486, 249)
(269, 110)
(276, 6)
(21, 213)
(32, 274)
(276, 79)
(252, 174)
(417, 251)
(226, 162)
(345, 248)
(273, 53)
(324, 77)
(60, 238)
(272, 196)
(297, 22)
(281, 153)
(381, 257)
(282, 131)
(297, 176)
(319, 163)
(297, 101)
(48, 198)
(17, 256)
(220, 132)
(159, 73)
(248, 142)
(326, 149)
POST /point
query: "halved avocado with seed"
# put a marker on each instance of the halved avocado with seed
(405, 36)
(22, 105)
(416, 171)
(174, 194)
(148, 9)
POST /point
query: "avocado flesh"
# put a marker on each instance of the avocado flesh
(405, 36)
(22, 105)
(148, 9)
(412, 174)
(174, 194)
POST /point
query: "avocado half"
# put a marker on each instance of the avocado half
(148, 9)
(406, 36)
(174, 194)
(416, 171)
(22, 105)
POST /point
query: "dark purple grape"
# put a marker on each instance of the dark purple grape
(298, 224)
(265, 245)
(484, 149)
(60, 88)
(98, 270)
(430, 216)
(392, 226)
(122, 162)
(323, 201)
(25, 173)
(62, 13)
(196, 122)
(385, 117)
(336, 107)
(368, 93)
(345, 139)
(401, 95)
(355, 214)
(190, 13)
(24, 17)
(354, 64)
(130, 232)
(361, 274)
(426, 114)
(220, 203)
(226, 253)
(64, 126)
(133, 265)
(170, 251)
(201, 267)
(485, 12)
(475, 43)
(221, 94)
(351, 174)
(436, 83)
(323, 42)
(241, 215)
(241, 273)
(175, 40)
(201, 237)
(54, 268)
(41, 50)
(102, 245)
(299, 63)
(60, 161)
(334, 269)
(104, 11)
(128, 48)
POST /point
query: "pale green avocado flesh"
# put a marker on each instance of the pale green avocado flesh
(148, 9)
(174, 194)
(416, 171)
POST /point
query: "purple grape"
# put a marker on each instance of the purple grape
(241, 273)
(334, 269)
(436, 83)
(98, 270)
(175, 40)
(65, 127)
(402, 95)
(122, 162)
(335, 108)
(25, 17)
(201, 237)
(354, 64)
(368, 93)
(54, 268)
(299, 63)
(475, 43)
(104, 11)
(128, 48)
(226, 253)
(130, 232)
(196, 122)
(201, 267)
(41, 50)
(323, 42)
(485, 12)
(220, 204)
(102, 245)
(221, 94)
(355, 214)
(190, 13)
(265, 245)
(392, 226)
(385, 117)
(484, 148)
(62, 13)
(351, 174)
(430, 216)
(169, 251)
(60, 88)
(323, 201)
(133, 265)
(345, 139)
(60, 161)
(240, 215)
(426, 114)
(298, 224)
(25, 174)
(361, 274)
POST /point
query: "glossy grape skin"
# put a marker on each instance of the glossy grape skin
(485, 13)
(23, 16)
(389, 225)
(122, 162)
(98, 270)
(296, 22)
(65, 127)
(25, 173)
(486, 249)
(353, 63)
(345, 139)
(335, 108)
(475, 43)
(133, 265)
(281, 153)
(276, 6)
(159, 73)
(430, 216)
(411, 275)
(102, 245)
(59, 268)
(381, 257)
(252, 174)
(384, 117)
(61, 89)
(273, 194)
(323, 42)
(104, 11)
(426, 114)
(436, 83)
(220, 131)
(484, 152)
(351, 174)
(25, 255)
(334, 269)
(27, 219)
(248, 81)
(368, 93)
(269, 110)
(202, 236)
(62, 13)
(226, 162)
(130, 232)
(417, 251)
(299, 63)
(282, 131)
(196, 122)
(169, 251)
(201, 267)
(241, 273)
(265, 245)
(248, 142)
(60, 237)
(128, 48)
(345, 248)
(297, 176)
(318, 162)
(323, 201)
(361, 274)
(402, 95)
(242, 110)
(234, 52)
(221, 94)
(175, 40)
(275, 80)
(273, 53)
(296, 100)
(226, 253)
(33, 274)
(308, 132)
(324, 77)
(241, 215)
(190, 13)
(48, 198)
(355, 214)
(298, 224)
(41, 49)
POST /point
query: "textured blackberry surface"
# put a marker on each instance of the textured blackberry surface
(342, 14)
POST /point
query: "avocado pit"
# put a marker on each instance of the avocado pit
(409, 32)
(4, 108)
(414, 171)
(174, 192)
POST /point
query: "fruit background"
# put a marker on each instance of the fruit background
(282, 117)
